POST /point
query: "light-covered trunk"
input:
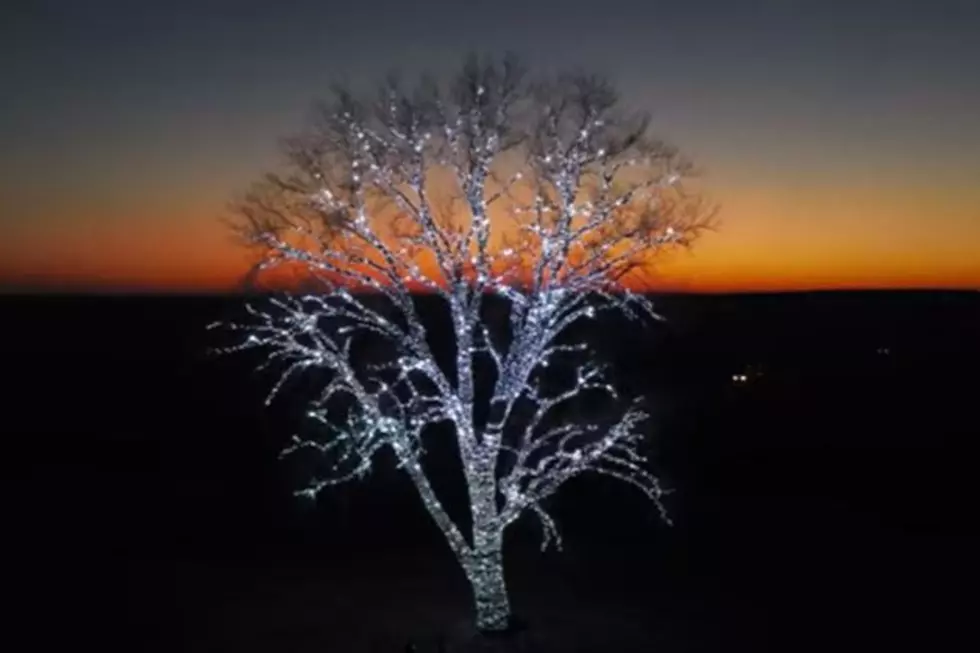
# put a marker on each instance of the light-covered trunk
(484, 567)
(484, 562)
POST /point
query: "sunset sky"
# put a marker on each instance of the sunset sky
(841, 138)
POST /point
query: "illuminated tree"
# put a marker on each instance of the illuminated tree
(541, 196)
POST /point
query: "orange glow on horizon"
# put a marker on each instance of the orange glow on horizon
(770, 239)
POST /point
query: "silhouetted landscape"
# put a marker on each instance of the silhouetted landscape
(821, 446)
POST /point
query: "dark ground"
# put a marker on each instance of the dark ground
(827, 504)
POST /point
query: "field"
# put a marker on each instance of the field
(822, 503)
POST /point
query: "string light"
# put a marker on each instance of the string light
(564, 262)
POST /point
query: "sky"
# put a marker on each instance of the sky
(841, 139)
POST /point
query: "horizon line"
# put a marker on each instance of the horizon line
(232, 292)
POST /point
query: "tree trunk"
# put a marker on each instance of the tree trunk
(485, 571)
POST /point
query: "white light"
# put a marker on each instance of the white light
(395, 401)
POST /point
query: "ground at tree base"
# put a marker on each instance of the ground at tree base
(415, 610)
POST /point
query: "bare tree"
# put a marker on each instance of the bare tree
(540, 196)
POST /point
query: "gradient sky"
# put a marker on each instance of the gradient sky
(841, 138)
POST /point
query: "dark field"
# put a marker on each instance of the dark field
(826, 504)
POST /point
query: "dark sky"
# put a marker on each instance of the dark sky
(841, 138)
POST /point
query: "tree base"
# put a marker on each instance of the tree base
(466, 638)
(515, 626)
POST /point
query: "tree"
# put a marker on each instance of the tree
(541, 197)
